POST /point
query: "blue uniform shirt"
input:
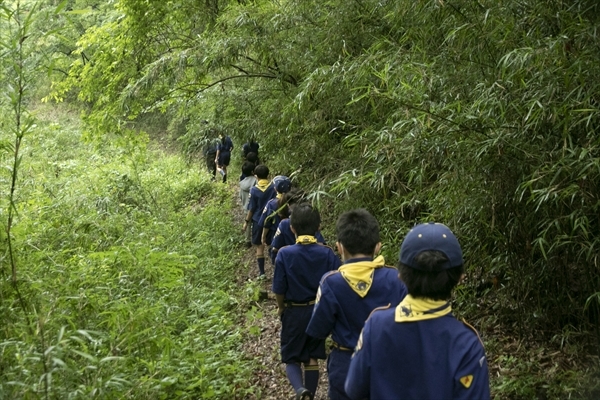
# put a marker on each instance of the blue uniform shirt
(226, 145)
(299, 268)
(259, 196)
(285, 237)
(342, 312)
(439, 358)
(270, 218)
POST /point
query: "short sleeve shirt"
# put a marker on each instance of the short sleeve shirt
(299, 268)
(258, 200)
(342, 312)
(285, 237)
(269, 218)
(439, 358)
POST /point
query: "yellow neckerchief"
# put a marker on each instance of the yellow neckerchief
(262, 184)
(359, 275)
(411, 309)
(279, 196)
(306, 239)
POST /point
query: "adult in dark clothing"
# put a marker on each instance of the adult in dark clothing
(251, 147)
(210, 153)
(223, 156)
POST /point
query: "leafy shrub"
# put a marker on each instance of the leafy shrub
(127, 267)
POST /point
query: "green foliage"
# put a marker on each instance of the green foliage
(129, 265)
(540, 373)
(481, 115)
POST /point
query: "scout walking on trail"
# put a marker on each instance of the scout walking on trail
(347, 296)
(260, 194)
(223, 155)
(284, 235)
(419, 350)
(246, 184)
(298, 270)
(270, 217)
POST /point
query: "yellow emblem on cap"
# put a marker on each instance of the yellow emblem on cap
(466, 381)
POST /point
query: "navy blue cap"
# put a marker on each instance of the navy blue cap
(282, 184)
(431, 236)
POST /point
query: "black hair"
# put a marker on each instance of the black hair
(305, 220)
(358, 231)
(292, 197)
(261, 171)
(430, 280)
(248, 168)
(252, 157)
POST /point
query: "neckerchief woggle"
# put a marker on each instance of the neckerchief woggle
(359, 275)
(420, 309)
(306, 239)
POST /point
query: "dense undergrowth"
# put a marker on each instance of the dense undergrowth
(482, 115)
(126, 265)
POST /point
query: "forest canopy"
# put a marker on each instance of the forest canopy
(480, 114)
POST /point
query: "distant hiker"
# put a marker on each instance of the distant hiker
(260, 194)
(246, 184)
(298, 270)
(269, 218)
(223, 155)
(348, 296)
(210, 154)
(251, 147)
(251, 158)
(419, 350)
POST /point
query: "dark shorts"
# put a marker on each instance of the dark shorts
(296, 345)
(270, 235)
(256, 233)
(338, 364)
(224, 158)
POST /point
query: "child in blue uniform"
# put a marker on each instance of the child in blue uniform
(298, 269)
(260, 194)
(224, 148)
(271, 215)
(245, 185)
(284, 235)
(419, 350)
(346, 297)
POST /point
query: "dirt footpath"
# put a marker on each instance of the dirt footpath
(262, 342)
